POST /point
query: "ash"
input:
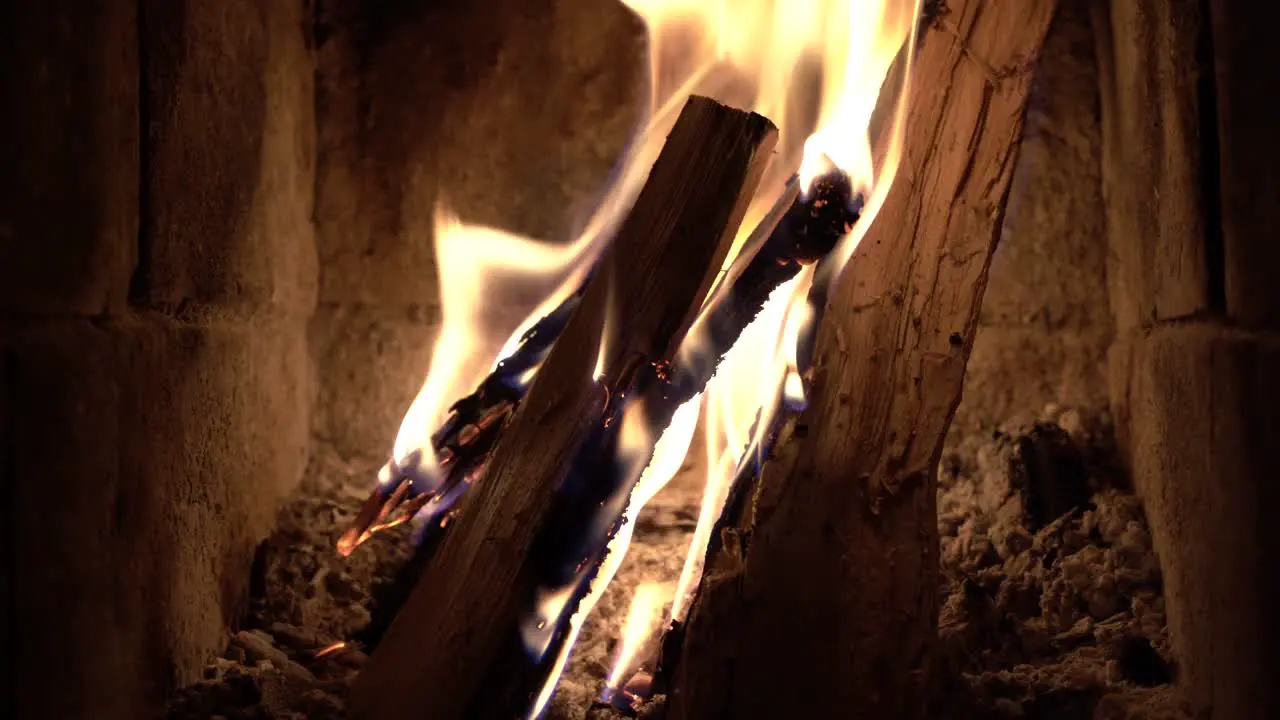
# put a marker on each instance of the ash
(306, 597)
(1052, 603)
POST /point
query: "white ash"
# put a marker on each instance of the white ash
(1050, 622)
(1066, 621)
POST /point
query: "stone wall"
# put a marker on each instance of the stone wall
(1045, 324)
(1189, 177)
(513, 116)
(157, 271)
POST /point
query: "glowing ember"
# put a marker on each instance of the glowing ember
(816, 67)
(331, 649)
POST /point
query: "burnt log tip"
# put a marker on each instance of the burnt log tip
(823, 216)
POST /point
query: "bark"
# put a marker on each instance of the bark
(822, 602)
(448, 653)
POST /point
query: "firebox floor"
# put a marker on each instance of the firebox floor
(1060, 620)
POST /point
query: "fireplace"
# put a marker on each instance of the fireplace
(203, 380)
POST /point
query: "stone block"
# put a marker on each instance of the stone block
(1244, 56)
(1204, 418)
(70, 153)
(1049, 271)
(229, 159)
(1045, 322)
(144, 462)
(1014, 372)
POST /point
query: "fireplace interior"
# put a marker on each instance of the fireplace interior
(220, 292)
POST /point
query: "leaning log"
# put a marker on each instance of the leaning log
(822, 601)
(447, 654)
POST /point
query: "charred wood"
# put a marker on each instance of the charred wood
(841, 522)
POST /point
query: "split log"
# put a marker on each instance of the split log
(823, 601)
(445, 654)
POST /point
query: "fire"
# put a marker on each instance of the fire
(668, 455)
(742, 393)
(480, 270)
(642, 616)
(817, 69)
(854, 43)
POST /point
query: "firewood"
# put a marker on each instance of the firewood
(444, 655)
(822, 599)
(798, 230)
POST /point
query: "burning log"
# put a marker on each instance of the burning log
(799, 230)
(465, 439)
(455, 649)
(833, 558)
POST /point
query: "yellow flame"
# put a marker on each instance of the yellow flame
(642, 617)
(740, 399)
(766, 55)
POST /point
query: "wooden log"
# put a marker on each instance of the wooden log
(823, 601)
(437, 659)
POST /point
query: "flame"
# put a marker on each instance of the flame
(754, 54)
(816, 68)
(668, 456)
(331, 649)
(480, 269)
(642, 616)
(633, 447)
(771, 43)
(740, 396)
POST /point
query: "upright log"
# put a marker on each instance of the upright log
(823, 601)
(437, 659)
